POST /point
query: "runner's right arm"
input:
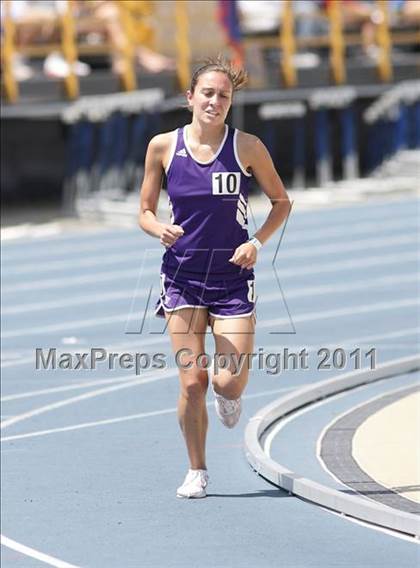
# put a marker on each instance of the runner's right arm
(156, 155)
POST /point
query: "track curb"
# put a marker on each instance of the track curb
(296, 484)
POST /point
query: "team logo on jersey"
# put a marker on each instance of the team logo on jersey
(171, 210)
(163, 293)
(226, 183)
(182, 153)
(251, 291)
(241, 212)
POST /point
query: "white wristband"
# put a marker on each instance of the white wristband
(254, 241)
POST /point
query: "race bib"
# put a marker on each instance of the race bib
(226, 183)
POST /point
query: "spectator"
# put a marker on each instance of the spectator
(406, 12)
(103, 17)
(261, 18)
(366, 15)
(36, 22)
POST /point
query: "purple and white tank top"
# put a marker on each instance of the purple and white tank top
(209, 201)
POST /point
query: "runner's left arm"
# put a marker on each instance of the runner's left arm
(255, 156)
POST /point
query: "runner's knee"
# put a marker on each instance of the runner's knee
(194, 384)
(230, 377)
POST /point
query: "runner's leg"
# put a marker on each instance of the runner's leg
(233, 336)
(187, 329)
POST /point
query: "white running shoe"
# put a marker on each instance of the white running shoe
(56, 66)
(194, 486)
(229, 411)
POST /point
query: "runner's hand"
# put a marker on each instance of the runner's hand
(245, 256)
(170, 234)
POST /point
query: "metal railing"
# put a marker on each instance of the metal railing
(71, 48)
(336, 40)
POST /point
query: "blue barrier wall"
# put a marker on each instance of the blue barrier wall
(314, 136)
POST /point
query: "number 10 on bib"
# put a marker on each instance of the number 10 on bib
(226, 183)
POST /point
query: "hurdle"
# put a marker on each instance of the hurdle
(321, 102)
(272, 114)
(394, 123)
(107, 137)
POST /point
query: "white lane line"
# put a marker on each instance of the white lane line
(128, 294)
(352, 341)
(37, 235)
(341, 247)
(64, 388)
(308, 316)
(93, 322)
(301, 252)
(41, 556)
(80, 300)
(54, 405)
(137, 240)
(129, 417)
(350, 264)
(104, 246)
(305, 317)
(90, 424)
(312, 406)
(109, 348)
(359, 341)
(303, 234)
(309, 268)
(338, 288)
(268, 441)
(154, 341)
(36, 412)
(367, 525)
(31, 551)
(356, 341)
(67, 326)
(127, 256)
(353, 310)
(277, 429)
(263, 257)
(336, 419)
(70, 281)
(57, 265)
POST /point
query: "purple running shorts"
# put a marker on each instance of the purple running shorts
(224, 299)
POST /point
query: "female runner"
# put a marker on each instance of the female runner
(207, 270)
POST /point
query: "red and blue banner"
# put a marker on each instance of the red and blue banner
(229, 20)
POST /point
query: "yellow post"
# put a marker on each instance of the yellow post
(288, 45)
(337, 47)
(10, 85)
(383, 38)
(68, 46)
(141, 14)
(128, 76)
(183, 60)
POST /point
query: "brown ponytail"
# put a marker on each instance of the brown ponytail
(238, 77)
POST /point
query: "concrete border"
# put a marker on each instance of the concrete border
(352, 505)
(335, 451)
